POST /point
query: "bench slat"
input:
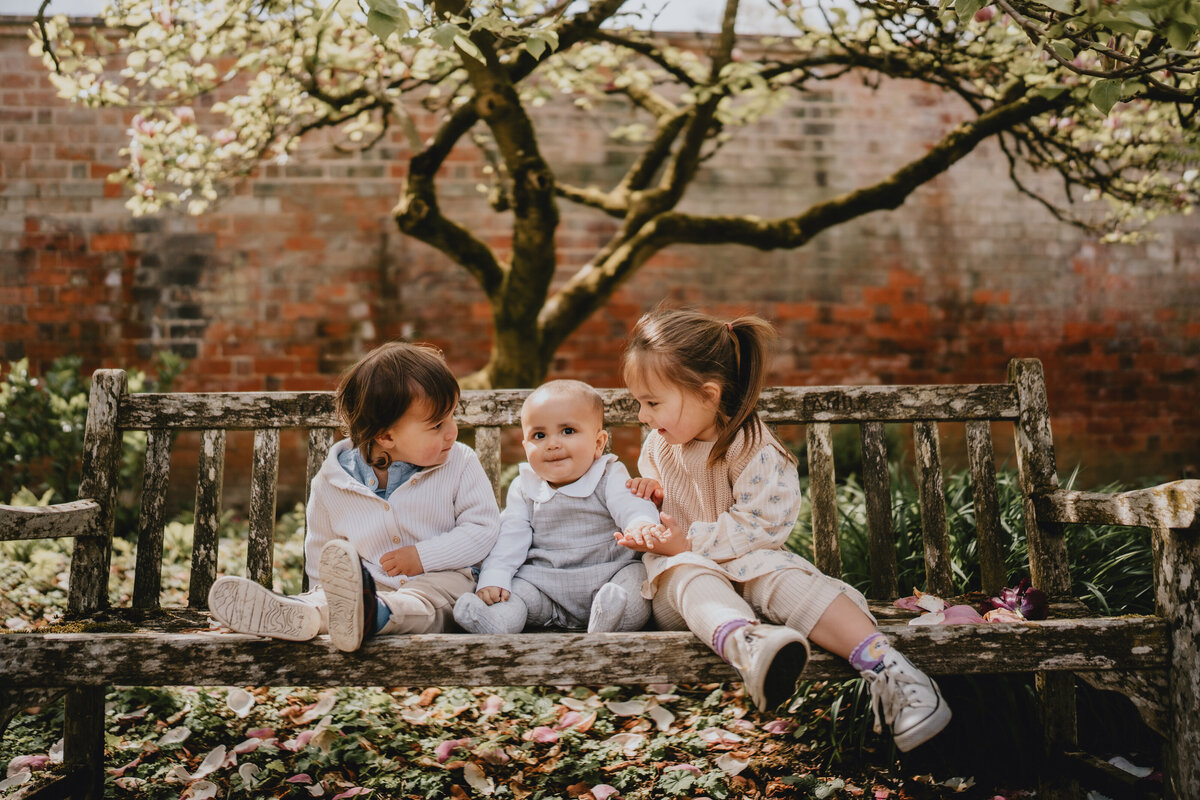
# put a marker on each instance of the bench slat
(265, 472)
(319, 442)
(981, 456)
(487, 447)
(1170, 505)
(822, 495)
(77, 518)
(932, 496)
(548, 658)
(208, 517)
(147, 581)
(477, 407)
(881, 537)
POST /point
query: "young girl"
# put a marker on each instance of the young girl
(398, 514)
(730, 494)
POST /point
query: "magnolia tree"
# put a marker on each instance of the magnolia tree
(1101, 93)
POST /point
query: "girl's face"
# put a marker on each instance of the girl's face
(417, 439)
(679, 416)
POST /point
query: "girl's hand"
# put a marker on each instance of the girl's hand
(647, 489)
(402, 561)
(492, 594)
(664, 539)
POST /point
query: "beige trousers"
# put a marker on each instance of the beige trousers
(424, 604)
(698, 599)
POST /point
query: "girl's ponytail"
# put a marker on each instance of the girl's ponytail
(751, 338)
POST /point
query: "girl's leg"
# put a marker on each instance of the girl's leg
(768, 657)
(619, 605)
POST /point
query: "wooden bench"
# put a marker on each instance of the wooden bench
(146, 645)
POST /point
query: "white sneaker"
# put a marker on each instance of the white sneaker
(770, 659)
(348, 588)
(911, 702)
(247, 607)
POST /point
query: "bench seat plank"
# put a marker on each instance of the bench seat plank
(76, 518)
(218, 659)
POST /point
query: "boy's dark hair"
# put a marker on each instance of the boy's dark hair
(383, 384)
(690, 348)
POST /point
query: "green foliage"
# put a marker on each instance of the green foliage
(42, 421)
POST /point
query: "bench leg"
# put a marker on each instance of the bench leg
(1056, 699)
(83, 738)
(1177, 595)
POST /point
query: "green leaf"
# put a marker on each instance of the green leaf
(444, 35)
(381, 24)
(1105, 94)
(1140, 18)
(1180, 35)
(1050, 91)
(965, 9)
(1061, 6)
(389, 7)
(1064, 50)
(468, 47)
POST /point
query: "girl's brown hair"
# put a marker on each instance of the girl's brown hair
(690, 348)
(381, 387)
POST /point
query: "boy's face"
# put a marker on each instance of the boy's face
(417, 439)
(562, 435)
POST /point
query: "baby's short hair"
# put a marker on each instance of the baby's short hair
(565, 387)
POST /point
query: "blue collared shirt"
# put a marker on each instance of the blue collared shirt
(357, 467)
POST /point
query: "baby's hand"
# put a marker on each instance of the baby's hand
(492, 594)
(403, 561)
(664, 539)
(647, 489)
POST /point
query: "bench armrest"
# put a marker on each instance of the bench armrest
(1171, 505)
(77, 518)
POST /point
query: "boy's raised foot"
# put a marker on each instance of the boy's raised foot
(770, 659)
(350, 593)
(247, 607)
(911, 703)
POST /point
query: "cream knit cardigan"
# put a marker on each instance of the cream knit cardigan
(738, 513)
(448, 512)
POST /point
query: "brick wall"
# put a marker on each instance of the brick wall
(302, 269)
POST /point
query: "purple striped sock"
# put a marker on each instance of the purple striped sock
(869, 653)
(722, 633)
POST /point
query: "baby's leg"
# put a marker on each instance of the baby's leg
(542, 610)
(476, 616)
(619, 605)
(425, 603)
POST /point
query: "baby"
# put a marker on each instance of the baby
(556, 563)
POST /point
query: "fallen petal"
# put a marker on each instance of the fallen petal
(203, 790)
(353, 791)
(932, 618)
(780, 726)
(959, 784)
(719, 736)
(569, 720)
(543, 734)
(248, 746)
(16, 779)
(475, 777)
(303, 777)
(494, 756)
(628, 742)
(602, 791)
(240, 701)
(692, 768)
(260, 733)
(961, 614)
(629, 708)
(931, 602)
(56, 752)
(247, 772)
(443, 750)
(908, 603)
(211, 762)
(662, 717)
(316, 790)
(175, 736)
(1003, 615)
(660, 688)
(26, 763)
(492, 705)
(731, 765)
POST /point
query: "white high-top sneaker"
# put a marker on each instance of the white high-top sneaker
(911, 703)
(247, 607)
(770, 659)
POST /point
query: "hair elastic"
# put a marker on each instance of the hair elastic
(729, 327)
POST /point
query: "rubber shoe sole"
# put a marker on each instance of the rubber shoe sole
(246, 607)
(341, 578)
(924, 730)
(780, 683)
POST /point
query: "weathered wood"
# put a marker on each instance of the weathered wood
(260, 549)
(211, 474)
(1171, 505)
(1147, 690)
(83, 735)
(319, 442)
(881, 537)
(1177, 600)
(1113, 782)
(76, 518)
(992, 573)
(1038, 474)
(72, 783)
(487, 447)
(92, 555)
(147, 581)
(206, 659)
(248, 411)
(822, 496)
(932, 495)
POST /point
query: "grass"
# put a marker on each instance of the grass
(559, 742)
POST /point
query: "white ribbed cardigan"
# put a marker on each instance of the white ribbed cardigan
(448, 512)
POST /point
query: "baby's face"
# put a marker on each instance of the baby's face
(562, 435)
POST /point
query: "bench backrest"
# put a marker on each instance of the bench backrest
(1021, 401)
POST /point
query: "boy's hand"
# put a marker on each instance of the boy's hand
(492, 594)
(402, 561)
(664, 539)
(647, 489)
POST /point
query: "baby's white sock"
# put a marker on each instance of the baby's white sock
(476, 616)
(608, 606)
